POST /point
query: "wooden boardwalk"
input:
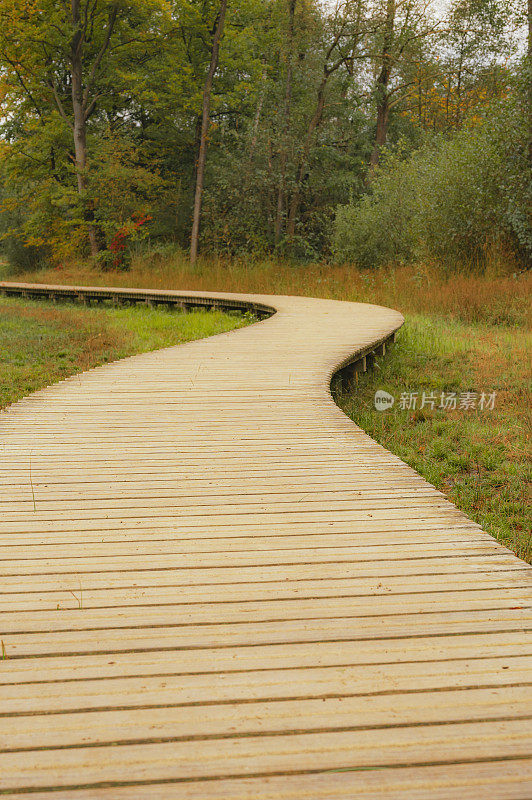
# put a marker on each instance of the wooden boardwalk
(214, 586)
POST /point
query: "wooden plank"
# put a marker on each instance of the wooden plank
(503, 779)
(266, 755)
(239, 612)
(390, 682)
(297, 655)
(161, 717)
(379, 593)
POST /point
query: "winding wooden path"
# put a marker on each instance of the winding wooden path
(214, 586)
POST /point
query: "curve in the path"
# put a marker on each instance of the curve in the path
(214, 585)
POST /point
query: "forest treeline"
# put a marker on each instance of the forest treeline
(372, 131)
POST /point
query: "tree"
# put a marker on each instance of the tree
(83, 99)
(237, 127)
(528, 73)
(61, 59)
(381, 89)
(344, 35)
(205, 122)
(404, 25)
(286, 118)
(479, 37)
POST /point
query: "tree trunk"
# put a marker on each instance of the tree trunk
(283, 156)
(313, 125)
(383, 116)
(205, 122)
(383, 109)
(80, 127)
(458, 109)
(529, 79)
(256, 121)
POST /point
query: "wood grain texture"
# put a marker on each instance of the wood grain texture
(214, 586)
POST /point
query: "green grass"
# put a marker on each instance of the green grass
(41, 343)
(477, 458)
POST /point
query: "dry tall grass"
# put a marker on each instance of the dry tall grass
(495, 299)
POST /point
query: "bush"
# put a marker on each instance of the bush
(457, 199)
(21, 253)
(23, 257)
(379, 228)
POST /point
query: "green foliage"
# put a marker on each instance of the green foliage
(378, 229)
(20, 254)
(53, 196)
(456, 199)
(290, 118)
(23, 257)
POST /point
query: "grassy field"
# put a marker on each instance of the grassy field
(40, 342)
(477, 457)
(464, 333)
(499, 299)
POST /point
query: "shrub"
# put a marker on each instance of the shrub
(23, 257)
(379, 228)
(457, 199)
